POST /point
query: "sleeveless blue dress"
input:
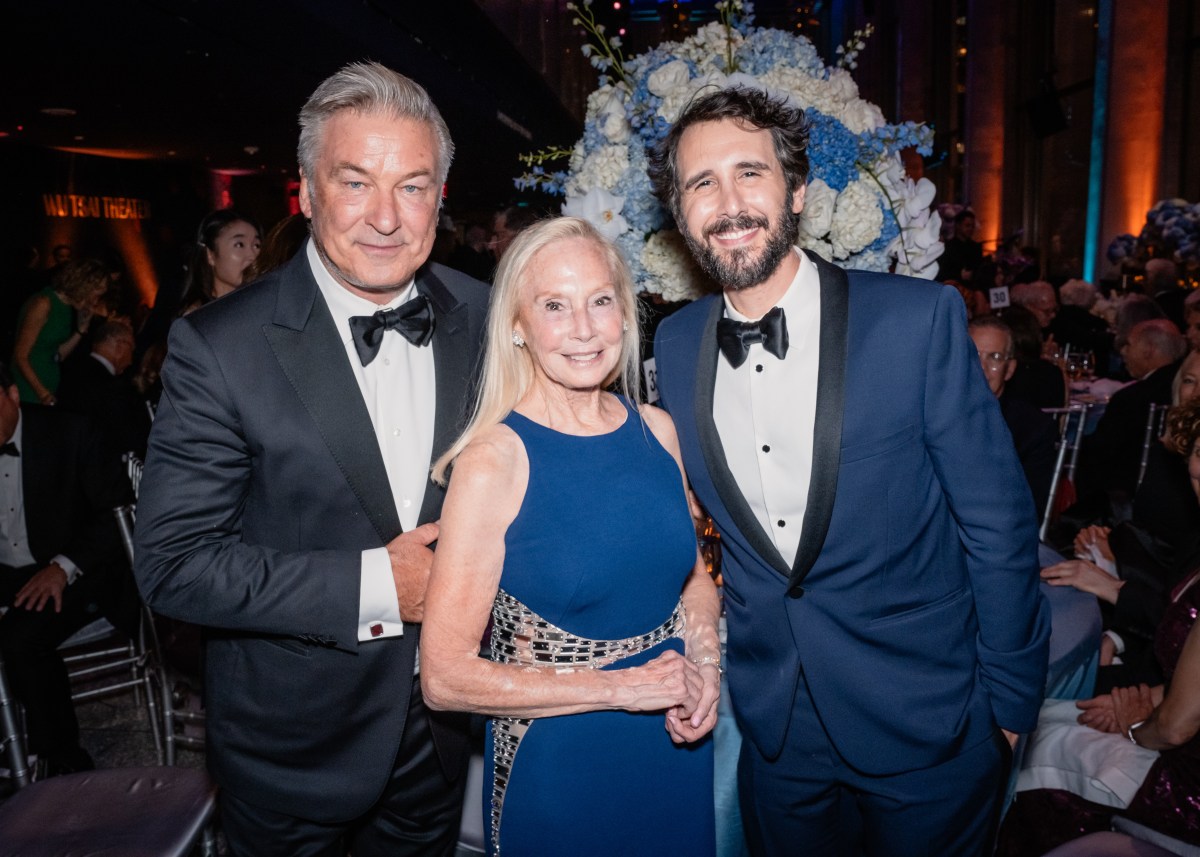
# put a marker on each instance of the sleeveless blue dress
(594, 566)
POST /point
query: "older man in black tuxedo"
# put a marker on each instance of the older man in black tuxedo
(61, 564)
(286, 502)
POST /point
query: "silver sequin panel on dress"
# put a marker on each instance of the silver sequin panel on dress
(520, 636)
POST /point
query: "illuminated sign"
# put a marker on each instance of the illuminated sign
(100, 207)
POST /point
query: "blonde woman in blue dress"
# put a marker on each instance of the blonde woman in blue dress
(567, 523)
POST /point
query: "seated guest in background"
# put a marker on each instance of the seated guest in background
(963, 255)
(1040, 299)
(1191, 320)
(282, 243)
(1131, 569)
(52, 323)
(1132, 311)
(507, 224)
(61, 562)
(98, 387)
(1111, 456)
(227, 245)
(1076, 328)
(1162, 503)
(472, 256)
(1033, 432)
(549, 458)
(1163, 286)
(1147, 767)
(1035, 380)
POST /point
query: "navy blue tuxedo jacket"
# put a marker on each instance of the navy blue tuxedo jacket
(912, 608)
(263, 485)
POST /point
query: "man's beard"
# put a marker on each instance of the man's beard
(737, 269)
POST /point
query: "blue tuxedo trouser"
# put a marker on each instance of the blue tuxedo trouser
(810, 802)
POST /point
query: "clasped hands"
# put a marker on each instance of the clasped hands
(688, 692)
(1117, 711)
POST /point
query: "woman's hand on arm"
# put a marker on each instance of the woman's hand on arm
(1084, 576)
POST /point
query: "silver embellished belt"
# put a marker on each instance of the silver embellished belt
(520, 636)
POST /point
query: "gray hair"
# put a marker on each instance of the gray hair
(1078, 293)
(1161, 337)
(1030, 294)
(369, 88)
(991, 322)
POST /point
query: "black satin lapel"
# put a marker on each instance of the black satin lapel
(453, 357)
(314, 361)
(827, 432)
(714, 452)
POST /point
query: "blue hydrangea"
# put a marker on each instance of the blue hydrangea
(890, 139)
(766, 49)
(887, 232)
(832, 150)
(641, 208)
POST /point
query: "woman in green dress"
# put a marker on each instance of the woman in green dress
(51, 324)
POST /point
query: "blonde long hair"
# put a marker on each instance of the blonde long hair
(507, 372)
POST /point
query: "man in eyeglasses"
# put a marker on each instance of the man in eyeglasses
(1032, 431)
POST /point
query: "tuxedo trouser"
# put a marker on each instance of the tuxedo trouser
(30, 639)
(810, 802)
(417, 815)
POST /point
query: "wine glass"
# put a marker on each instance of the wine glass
(1087, 364)
(1073, 365)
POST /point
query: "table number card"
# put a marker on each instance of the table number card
(998, 297)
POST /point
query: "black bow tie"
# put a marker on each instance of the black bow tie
(10, 448)
(736, 337)
(413, 319)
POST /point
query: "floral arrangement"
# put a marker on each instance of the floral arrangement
(1172, 231)
(861, 210)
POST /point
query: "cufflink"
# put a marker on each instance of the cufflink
(376, 629)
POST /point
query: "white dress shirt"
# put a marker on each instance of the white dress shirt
(398, 388)
(14, 535)
(765, 411)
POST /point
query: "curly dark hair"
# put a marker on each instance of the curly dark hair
(750, 107)
(1183, 426)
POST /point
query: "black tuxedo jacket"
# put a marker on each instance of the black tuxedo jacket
(110, 401)
(69, 490)
(1112, 454)
(263, 485)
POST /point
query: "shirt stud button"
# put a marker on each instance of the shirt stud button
(766, 447)
(758, 368)
(781, 522)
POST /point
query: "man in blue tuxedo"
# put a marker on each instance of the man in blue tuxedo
(886, 632)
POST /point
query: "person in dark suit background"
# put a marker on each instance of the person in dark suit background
(879, 555)
(1033, 432)
(61, 562)
(286, 502)
(1111, 455)
(96, 385)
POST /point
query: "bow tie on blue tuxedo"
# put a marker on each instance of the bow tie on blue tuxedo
(735, 337)
(413, 320)
(9, 448)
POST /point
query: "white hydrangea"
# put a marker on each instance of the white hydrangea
(857, 219)
(673, 272)
(607, 106)
(817, 214)
(708, 46)
(602, 169)
(860, 116)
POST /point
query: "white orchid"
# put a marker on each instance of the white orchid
(599, 208)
